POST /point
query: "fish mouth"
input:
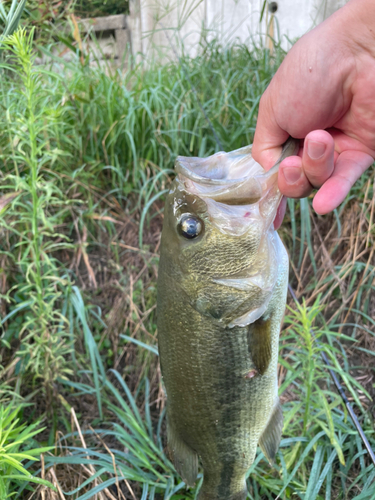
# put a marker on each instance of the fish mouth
(236, 189)
(233, 178)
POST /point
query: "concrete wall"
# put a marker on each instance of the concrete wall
(158, 24)
(164, 29)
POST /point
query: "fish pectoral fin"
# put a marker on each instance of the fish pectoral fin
(259, 341)
(184, 458)
(270, 439)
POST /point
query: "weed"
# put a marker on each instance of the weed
(16, 441)
(34, 238)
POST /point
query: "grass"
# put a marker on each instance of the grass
(318, 450)
(87, 156)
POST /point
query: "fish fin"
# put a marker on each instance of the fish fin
(184, 458)
(259, 341)
(270, 439)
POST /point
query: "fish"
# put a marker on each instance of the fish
(221, 294)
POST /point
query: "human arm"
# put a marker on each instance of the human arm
(323, 93)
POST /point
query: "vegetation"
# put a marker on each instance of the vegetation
(96, 8)
(87, 156)
(12, 437)
(48, 16)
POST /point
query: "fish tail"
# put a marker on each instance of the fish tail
(207, 492)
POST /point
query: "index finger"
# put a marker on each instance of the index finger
(269, 136)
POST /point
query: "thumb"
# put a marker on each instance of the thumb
(268, 137)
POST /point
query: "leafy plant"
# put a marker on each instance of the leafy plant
(33, 203)
(16, 441)
(10, 18)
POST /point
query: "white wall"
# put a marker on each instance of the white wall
(158, 24)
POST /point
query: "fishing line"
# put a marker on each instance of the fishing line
(340, 389)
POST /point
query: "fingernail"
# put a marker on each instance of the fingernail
(316, 149)
(292, 174)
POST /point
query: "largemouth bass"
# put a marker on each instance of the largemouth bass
(221, 298)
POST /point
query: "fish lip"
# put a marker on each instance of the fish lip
(184, 171)
(219, 166)
(233, 178)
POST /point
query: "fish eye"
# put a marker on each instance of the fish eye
(190, 226)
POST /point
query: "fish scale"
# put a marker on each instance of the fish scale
(201, 258)
(220, 376)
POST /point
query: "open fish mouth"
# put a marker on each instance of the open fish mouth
(230, 178)
(237, 191)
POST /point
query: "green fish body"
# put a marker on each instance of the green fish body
(221, 298)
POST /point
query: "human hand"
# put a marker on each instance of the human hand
(324, 93)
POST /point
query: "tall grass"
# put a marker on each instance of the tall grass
(141, 119)
(87, 155)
